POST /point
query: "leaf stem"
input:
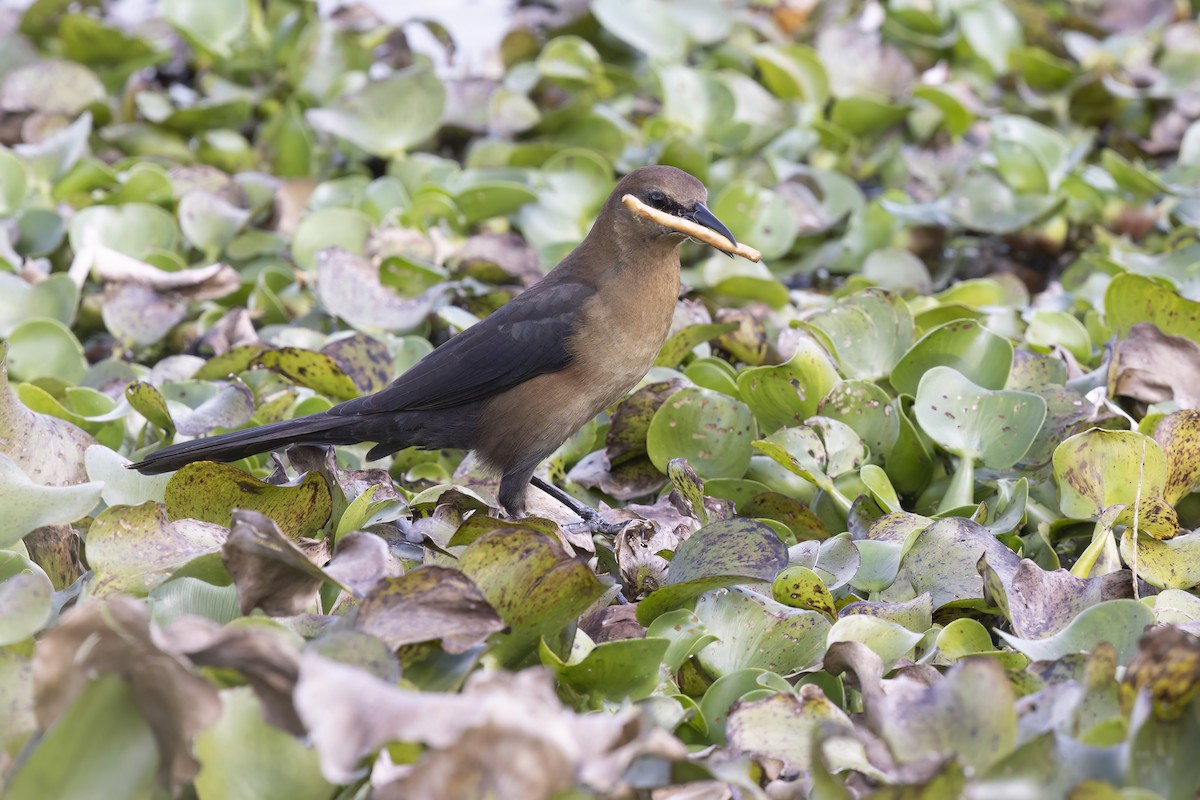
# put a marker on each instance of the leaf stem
(961, 491)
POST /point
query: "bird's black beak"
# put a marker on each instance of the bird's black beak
(700, 214)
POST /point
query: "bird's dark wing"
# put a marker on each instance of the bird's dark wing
(524, 338)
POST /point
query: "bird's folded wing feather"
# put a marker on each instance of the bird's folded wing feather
(519, 341)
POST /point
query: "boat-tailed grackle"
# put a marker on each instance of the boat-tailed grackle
(519, 383)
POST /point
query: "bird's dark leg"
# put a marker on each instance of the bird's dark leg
(589, 515)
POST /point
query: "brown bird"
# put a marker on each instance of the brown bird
(521, 382)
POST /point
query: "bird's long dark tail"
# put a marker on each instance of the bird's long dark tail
(314, 429)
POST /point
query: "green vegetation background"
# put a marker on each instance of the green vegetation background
(905, 497)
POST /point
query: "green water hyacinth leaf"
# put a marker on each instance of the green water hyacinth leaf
(611, 671)
(117, 755)
(1170, 564)
(214, 26)
(102, 421)
(1100, 468)
(800, 587)
(135, 229)
(277, 761)
(676, 348)
(711, 430)
(725, 553)
(30, 505)
(208, 222)
(789, 727)
(343, 228)
(133, 549)
(210, 492)
(53, 157)
(686, 634)
(1049, 328)
(956, 117)
(978, 354)
(14, 182)
(537, 588)
(788, 394)
(802, 451)
(1178, 434)
(863, 116)
(122, 486)
(942, 559)
(756, 632)
(148, 401)
(994, 428)
(645, 25)
(889, 640)
(25, 592)
(916, 615)
(45, 348)
(868, 332)
(986, 204)
(55, 298)
(386, 117)
(317, 371)
(1118, 622)
(570, 58)
(486, 199)
(1132, 299)
(792, 72)
(1032, 158)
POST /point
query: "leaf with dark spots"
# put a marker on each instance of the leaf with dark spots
(477, 525)
(428, 604)
(942, 562)
(690, 488)
(789, 393)
(208, 491)
(915, 614)
(630, 422)
(803, 523)
(317, 371)
(232, 362)
(756, 632)
(783, 730)
(272, 571)
(132, 549)
(148, 401)
(1167, 667)
(1132, 299)
(639, 549)
(725, 553)
(1178, 434)
(631, 479)
(533, 583)
(366, 360)
(47, 449)
(1099, 468)
(1040, 603)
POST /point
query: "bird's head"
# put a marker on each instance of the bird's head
(679, 197)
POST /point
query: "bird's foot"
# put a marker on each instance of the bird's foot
(591, 518)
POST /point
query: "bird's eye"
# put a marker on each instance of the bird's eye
(657, 198)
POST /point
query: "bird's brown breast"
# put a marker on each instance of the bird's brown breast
(614, 345)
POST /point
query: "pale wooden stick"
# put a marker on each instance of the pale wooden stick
(689, 228)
